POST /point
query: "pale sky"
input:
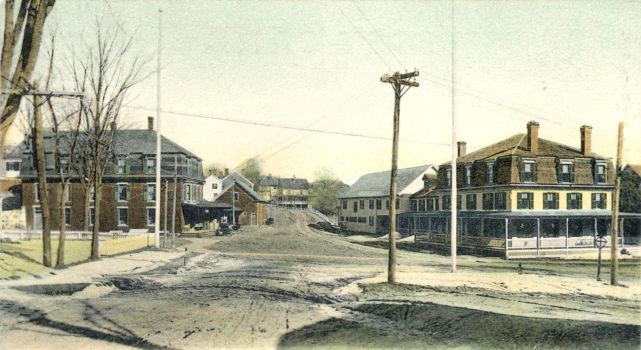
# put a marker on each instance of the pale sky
(317, 64)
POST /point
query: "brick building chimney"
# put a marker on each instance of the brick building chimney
(462, 147)
(586, 140)
(533, 137)
(150, 123)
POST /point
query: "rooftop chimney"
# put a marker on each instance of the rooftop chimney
(426, 182)
(586, 140)
(150, 123)
(211, 171)
(462, 146)
(533, 137)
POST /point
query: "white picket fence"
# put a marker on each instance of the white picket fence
(23, 235)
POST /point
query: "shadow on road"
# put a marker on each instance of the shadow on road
(432, 326)
(38, 318)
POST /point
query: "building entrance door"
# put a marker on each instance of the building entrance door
(253, 219)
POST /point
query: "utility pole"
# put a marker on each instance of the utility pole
(233, 202)
(614, 259)
(158, 134)
(400, 83)
(164, 235)
(173, 213)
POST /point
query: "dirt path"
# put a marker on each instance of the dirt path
(290, 286)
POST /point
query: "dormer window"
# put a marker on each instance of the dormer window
(468, 175)
(600, 173)
(565, 171)
(448, 177)
(489, 173)
(121, 165)
(150, 165)
(528, 170)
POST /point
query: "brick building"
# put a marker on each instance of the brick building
(128, 189)
(521, 196)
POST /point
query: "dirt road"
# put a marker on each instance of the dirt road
(289, 286)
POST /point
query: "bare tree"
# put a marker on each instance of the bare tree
(28, 25)
(105, 74)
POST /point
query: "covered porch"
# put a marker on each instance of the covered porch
(522, 234)
(206, 216)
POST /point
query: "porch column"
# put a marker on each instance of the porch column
(506, 235)
(538, 235)
(567, 234)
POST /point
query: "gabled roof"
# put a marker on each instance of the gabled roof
(517, 145)
(229, 179)
(250, 191)
(635, 168)
(377, 184)
(289, 183)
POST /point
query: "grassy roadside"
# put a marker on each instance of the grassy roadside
(25, 257)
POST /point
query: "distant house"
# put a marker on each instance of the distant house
(288, 192)
(128, 194)
(523, 196)
(212, 187)
(364, 206)
(252, 207)
(10, 184)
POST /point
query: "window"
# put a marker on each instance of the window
(92, 194)
(398, 203)
(371, 204)
(236, 196)
(458, 202)
(550, 200)
(36, 193)
(599, 200)
(62, 165)
(387, 204)
(92, 216)
(187, 195)
(150, 165)
(12, 166)
(421, 205)
(214, 186)
(150, 193)
(447, 202)
(448, 177)
(122, 192)
(413, 205)
(565, 172)
(488, 201)
(67, 194)
(468, 175)
(524, 200)
(123, 217)
(151, 216)
(599, 173)
(370, 220)
(436, 204)
(470, 201)
(489, 173)
(344, 205)
(430, 204)
(355, 206)
(500, 201)
(528, 171)
(361, 204)
(121, 165)
(68, 216)
(379, 204)
(362, 219)
(574, 201)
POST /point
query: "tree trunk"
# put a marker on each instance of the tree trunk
(87, 199)
(60, 260)
(95, 253)
(42, 181)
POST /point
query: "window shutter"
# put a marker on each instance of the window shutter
(572, 173)
(534, 172)
(579, 198)
(521, 171)
(116, 193)
(556, 201)
(127, 192)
